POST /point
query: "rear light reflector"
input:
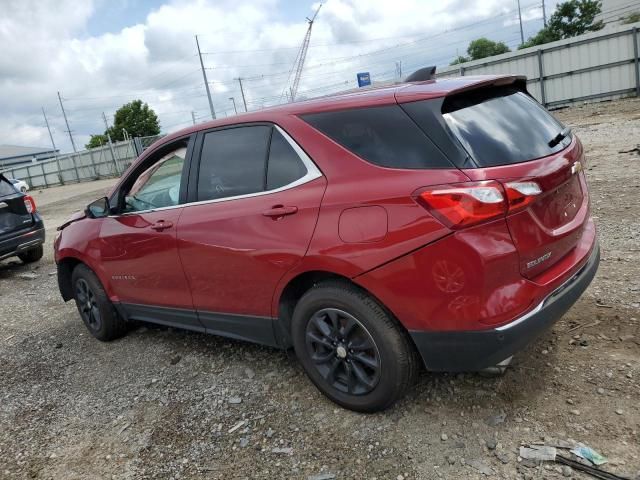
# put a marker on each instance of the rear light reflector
(464, 204)
(30, 203)
(521, 194)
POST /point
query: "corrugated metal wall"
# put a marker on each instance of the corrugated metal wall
(598, 65)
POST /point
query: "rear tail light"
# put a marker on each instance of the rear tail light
(465, 204)
(30, 203)
(521, 194)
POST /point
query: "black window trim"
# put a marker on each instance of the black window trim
(313, 172)
(451, 165)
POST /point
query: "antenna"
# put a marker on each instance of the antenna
(302, 55)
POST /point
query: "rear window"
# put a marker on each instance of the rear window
(384, 136)
(502, 126)
(6, 188)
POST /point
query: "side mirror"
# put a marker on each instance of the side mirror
(98, 208)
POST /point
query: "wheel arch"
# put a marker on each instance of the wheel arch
(65, 270)
(299, 285)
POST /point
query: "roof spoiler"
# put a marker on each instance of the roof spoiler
(425, 73)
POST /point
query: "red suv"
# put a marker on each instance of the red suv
(441, 222)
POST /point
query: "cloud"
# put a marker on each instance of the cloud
(47, 47)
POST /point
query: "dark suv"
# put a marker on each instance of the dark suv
(441, 222)
(21, 228)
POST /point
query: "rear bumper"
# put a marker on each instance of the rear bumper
(459, 351)
(26, 240)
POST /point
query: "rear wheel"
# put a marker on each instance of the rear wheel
(32, 255)
(96, 310)
(351, 348)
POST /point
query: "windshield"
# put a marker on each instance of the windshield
(500, 126)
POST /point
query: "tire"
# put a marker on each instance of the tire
(32, 255)
(381, 366)
(96, 310)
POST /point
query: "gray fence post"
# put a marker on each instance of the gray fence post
(543, 96)
(44, 176)
(75, 167)
(636, 60)
(30, 182)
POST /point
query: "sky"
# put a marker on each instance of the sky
(101, 54)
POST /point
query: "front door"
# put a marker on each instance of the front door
(139, 245)
(258, 197)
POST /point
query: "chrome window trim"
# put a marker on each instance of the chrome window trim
(313, 172)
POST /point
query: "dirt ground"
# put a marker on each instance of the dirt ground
(164, 403)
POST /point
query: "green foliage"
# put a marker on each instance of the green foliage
(483, 47)
(96, 141)
(570, 18)
(459, 59)
(631, 18)
(135, 117)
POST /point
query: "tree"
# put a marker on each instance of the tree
(96, 141)
(570, 18)
(135, 117)
(459, 59)
(631, 18)
(483, 47)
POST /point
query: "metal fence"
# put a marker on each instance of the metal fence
(598, 65)
(86, 165)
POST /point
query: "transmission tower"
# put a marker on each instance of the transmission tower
(302, 55)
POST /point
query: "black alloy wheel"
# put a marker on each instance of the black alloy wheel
(87, 305)
(343, 351)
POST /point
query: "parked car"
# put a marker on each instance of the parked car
(19, 184)
(443, 223)
(21, 227)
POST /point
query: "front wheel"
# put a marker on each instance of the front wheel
(351, 348)
(97, 312)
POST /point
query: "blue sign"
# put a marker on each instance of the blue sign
(364, 79)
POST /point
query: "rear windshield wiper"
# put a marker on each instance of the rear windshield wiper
(559, 137)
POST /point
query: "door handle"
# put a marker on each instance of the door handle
(279, 211)
(161, 225)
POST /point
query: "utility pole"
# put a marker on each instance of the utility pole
(242, 92)
(64, 114)
(106, 131)
(234, 104)
(544, 14)
(520, 17)
(193, 117)
(399, 70)
(206, 83)
(53, 144)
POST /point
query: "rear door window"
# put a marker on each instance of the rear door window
(501, 126)
(384, 136)
(233, 162)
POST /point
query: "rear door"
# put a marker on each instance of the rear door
(14, 215)
(257, 197)
(511, 138)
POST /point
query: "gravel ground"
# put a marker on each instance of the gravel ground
(164, 403)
